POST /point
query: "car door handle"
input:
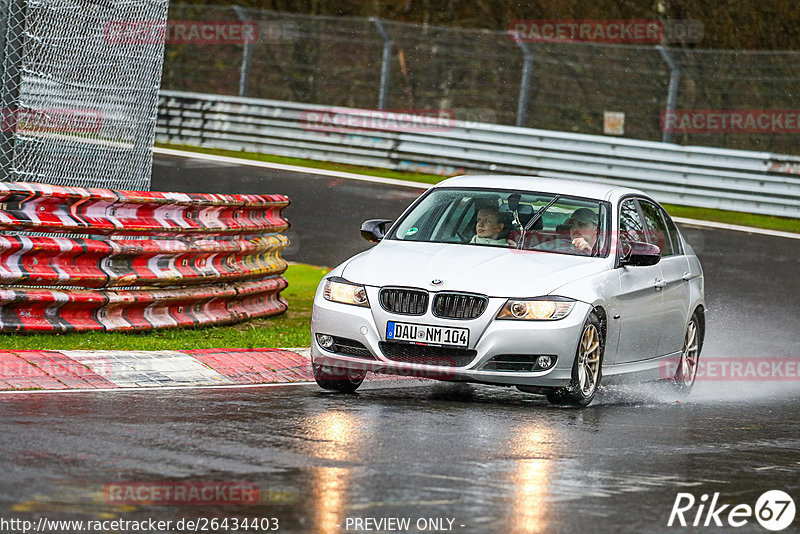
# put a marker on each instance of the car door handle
(687, 276)
(659, 283)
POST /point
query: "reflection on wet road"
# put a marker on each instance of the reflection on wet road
(492, 459)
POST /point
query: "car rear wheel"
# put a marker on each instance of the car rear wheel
(338, 378)
(686, 374)
(586, 369)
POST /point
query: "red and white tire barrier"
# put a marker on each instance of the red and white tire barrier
(49, 208)
(205, 259)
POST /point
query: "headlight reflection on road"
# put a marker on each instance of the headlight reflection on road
(336, 435)
(330, 487)
(531, 478)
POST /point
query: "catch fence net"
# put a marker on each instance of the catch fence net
(80, 81)
(479, 75)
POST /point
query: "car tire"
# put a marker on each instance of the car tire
(587, 368)
(686, 374)
(337, 378)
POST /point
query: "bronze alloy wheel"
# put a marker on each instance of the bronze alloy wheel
(589, 360)
(587, 368)
(690, 356)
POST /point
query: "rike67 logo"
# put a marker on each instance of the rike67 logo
(774, 510)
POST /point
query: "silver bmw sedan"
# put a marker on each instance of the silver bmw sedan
(548, 285)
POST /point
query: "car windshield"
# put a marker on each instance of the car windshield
(512, 219)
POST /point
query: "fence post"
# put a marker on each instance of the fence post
(388, 44)
(12, 27)
(244, 74)
(672, 94)
(525, 85)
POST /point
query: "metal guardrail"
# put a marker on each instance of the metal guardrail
(755, 182)
(147, 260)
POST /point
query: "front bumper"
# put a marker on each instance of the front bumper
(488, 337)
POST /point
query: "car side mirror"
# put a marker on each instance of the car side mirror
(638, 254)
(374, 230)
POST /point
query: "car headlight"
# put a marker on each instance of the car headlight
(539, 309)
(340, 290)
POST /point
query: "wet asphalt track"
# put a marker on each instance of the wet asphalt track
(491, 459)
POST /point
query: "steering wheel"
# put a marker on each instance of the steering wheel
(559, 243)
(462, 237)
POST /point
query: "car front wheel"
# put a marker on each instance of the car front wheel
(586, 369)
(690, 356)
(337, 378)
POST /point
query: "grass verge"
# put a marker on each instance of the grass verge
(314, 164)
(288, 330)
(784, 224)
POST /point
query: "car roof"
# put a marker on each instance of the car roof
(580, 188)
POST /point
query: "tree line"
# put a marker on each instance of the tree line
(728, 24)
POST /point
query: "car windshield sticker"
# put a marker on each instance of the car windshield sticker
(412, 231)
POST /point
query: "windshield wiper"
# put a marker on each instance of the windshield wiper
(536, 217)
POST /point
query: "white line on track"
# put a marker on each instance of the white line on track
(291, 168)
(155, 388)
(736, 228)
(420, 185)
(165, 388)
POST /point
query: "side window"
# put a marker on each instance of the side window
(630, 224)
(673, 232)
(463, 221)
(454, 220)
(657, 232)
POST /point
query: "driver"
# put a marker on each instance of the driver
(583, 229)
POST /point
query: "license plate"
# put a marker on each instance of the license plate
(429, 335)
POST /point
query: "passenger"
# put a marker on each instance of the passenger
(490, 229)
(583, 229)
